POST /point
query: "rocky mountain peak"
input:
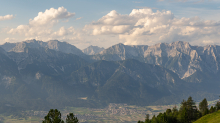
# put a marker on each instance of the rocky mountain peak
(92, 50)
(179, 56)
(180, 43)
(8, 46)
(115, 49)
(31, 41)
(118, 46)
(52, 44)
(64, 47)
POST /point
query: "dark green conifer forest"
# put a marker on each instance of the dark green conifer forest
(187, 113)
(54, 116)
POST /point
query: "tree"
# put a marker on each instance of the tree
(175, 111)
(162, 118)
(189, 110)
(212, 109)
(168, 111)
(187, 113)
(154, 119)
(203, 107)
(71, 118)
(53, 116)
(217, 105)
(183, 116)
(140, 121)
(147, 118)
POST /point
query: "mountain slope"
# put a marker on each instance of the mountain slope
(8, 71)
(37, 79)
(52, 44)
(14, 92)
(180, 57)
(55, 78)
(128, 81)
(92, 50)
(121, 52)
(46, 61)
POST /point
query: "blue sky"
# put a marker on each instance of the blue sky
(88, 22)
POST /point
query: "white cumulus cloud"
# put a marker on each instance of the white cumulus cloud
(6, 17)
(79, 18)
(41, 27)
(11, 40)
(50, 16)
(144, 26)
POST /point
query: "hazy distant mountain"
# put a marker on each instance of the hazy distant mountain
(92, 50)
(52, 44)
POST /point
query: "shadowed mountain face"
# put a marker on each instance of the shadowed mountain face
(128, 81)
(8, 71)
(36, 74)
(36, 78)
(44, 78)
(53, 62)
(92, 50)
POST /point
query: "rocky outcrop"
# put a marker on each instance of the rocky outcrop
(92, 50)
(180, 57)
(48, 61)
(52, 44)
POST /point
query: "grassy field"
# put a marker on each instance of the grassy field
(9, 119)
(210, 118)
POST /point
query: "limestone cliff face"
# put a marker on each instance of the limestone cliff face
(92, 50)
(180, 57)
(121, 52)
(184, 59)
(64, 47)
(52, 44)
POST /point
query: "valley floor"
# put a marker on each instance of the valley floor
(114, 113)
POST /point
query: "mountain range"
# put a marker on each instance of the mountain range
(37, 75)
